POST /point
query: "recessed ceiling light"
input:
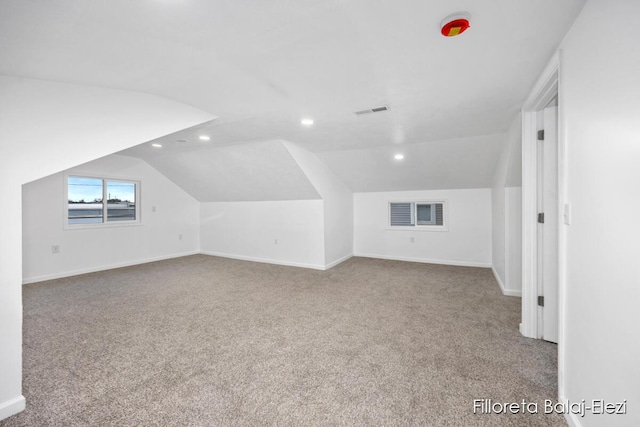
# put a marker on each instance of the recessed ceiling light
(204, 138)
(307, 122)
(157, 145)
(399, 156)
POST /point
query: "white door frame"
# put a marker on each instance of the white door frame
(548, 85)
(545, 89)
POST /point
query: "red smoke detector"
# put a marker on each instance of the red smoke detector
(455, 24)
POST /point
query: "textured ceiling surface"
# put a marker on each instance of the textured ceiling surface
(260, 66)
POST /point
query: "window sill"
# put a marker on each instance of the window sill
(101, 225)
(420, 229)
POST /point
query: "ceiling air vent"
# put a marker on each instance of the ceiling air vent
(372, 110)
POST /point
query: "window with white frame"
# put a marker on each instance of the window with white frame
(427, 215)
(92, 201)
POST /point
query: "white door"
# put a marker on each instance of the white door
(548, 227)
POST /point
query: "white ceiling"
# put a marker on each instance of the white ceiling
(259, 66)
(255, 171)
(434, 165)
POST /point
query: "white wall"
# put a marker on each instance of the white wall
(338, 205)
(498, 233)
(513, 241)
(600, 109)
(338, 228)
(468, 241)
(309, 233)
(249, 230)
(46, 127)
(176, 215)
(506, 258)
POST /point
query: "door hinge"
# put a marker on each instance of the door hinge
(541, 135)
(541, 218)
(541, 300)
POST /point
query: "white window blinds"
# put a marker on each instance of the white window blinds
(401, 214)
(422, 215)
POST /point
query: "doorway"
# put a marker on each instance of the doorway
(547, 227)
(540, 259)
(534, 318)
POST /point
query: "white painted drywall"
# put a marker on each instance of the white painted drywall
(278, 232)
(498, 232)
(288, 58)
(11, 400)
(211, 172)
(600, 108)
(513, 240)
(337, 201)
(169, 224)
(452, 163)
(309, 233)
(338, 227)
(468, 241)
(54, 126)
(506, 213)
(47, 127)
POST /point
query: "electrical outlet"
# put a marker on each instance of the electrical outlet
(153, 208)
(55, 249)
(412, 239)
(179, 236)
(275, 241)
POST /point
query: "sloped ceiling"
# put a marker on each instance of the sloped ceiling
(257, 171)
(447, 164)
(259, 66)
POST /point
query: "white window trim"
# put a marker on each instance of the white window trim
(432, 213)
(436, 228)
(65, 202)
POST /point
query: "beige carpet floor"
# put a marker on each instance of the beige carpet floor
(206, 341)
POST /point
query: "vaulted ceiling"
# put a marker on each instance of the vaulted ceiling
(260, 66)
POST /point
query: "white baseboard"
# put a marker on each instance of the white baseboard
(12, 407)
(332, 264)
(265, 260)
(507, 292)
(426, 260)
(572, 419)
(42, 278)
(52, 276)
(498, 279)
(338, 261)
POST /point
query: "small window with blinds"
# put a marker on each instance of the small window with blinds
(401, 215)
(417, 215)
